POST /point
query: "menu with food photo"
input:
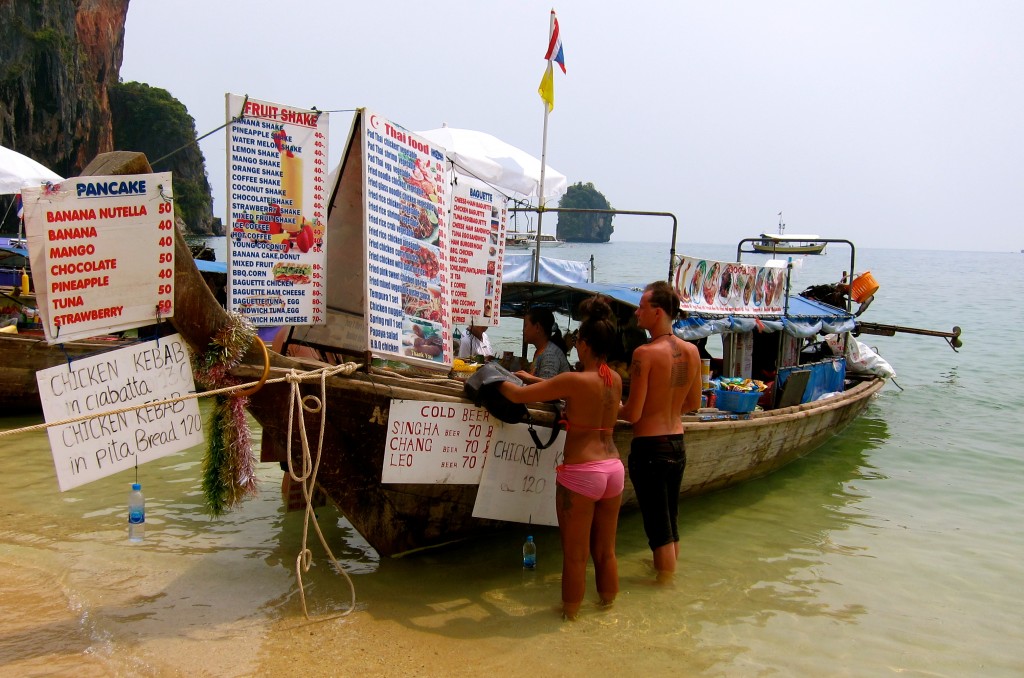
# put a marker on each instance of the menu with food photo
(276, 190)
(728, 288)
(407, 274)
(479, 219)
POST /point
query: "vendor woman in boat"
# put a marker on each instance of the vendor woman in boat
(549, 359)
(590, 482)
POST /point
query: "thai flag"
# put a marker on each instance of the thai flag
(555, 45)
(20, 205)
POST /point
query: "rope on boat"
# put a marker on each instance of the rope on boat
(309, 375)
(310, 467)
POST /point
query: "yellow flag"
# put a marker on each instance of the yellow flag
(547, 88)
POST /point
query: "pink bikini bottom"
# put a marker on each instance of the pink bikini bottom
(595, 480)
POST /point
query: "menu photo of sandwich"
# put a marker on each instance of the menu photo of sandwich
(293, 272)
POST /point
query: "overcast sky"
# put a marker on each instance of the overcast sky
(894, 123)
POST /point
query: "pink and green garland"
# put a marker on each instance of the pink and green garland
(229, 467)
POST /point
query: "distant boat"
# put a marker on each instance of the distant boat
(778, 243)
(524, 241)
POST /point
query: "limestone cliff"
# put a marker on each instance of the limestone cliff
(57, 60)
(61, 101)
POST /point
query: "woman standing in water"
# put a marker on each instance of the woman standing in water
(590, 482)
(549, 358)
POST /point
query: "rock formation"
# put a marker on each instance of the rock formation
(57, 59)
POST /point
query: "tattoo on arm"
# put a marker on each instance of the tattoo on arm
(636, 367)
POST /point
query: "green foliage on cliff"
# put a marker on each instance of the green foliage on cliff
(150, 120)
(575, 227)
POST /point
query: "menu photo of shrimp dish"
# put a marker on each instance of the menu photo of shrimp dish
(419, 221)
(421, 260)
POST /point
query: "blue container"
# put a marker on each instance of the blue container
(736, 401)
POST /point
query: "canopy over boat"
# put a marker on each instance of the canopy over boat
(803, 317)
(502, 165)
(791, 237)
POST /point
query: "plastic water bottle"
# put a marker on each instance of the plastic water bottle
(136, 514)
(529, 554)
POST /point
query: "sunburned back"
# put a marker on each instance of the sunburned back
(673, 368)
(591, 409)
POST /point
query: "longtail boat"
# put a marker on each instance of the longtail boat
(722, 449)
(395, 518)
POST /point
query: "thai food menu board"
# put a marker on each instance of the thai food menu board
(479, 219)
(277, 176)
(102, 253)
(406, 200)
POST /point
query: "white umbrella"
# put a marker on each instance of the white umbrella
(480, 155)
(18, 171)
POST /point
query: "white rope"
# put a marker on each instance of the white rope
(310, 467)
(303, 376)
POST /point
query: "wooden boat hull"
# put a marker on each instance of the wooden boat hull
(398, 518)
(22, 355)
(772, 248)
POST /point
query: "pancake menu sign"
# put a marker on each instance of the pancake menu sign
(406, 199)
(277, 177)
(102, 253)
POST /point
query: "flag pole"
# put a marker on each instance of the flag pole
(540, 200)
(543, 163)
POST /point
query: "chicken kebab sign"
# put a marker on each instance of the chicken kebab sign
(406, 225)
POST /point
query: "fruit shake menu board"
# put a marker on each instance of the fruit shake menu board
(477, 249)
(407, 236)
(277, 178)
(102, 253)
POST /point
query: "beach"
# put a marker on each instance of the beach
(894, 548)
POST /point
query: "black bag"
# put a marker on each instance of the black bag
(483, 388)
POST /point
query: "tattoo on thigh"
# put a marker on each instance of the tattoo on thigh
(564, 497)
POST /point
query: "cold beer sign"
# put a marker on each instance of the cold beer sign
(430, 442)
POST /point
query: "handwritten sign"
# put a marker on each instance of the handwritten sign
(103, 253)
(518, 482)
(406, 225)
(277, 198)
(431, 442)
(94, 448)
(477, 246)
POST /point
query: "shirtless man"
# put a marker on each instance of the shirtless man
(664, 383)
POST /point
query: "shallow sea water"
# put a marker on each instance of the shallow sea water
(893, 549)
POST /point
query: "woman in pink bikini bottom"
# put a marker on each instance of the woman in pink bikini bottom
(589, 483)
